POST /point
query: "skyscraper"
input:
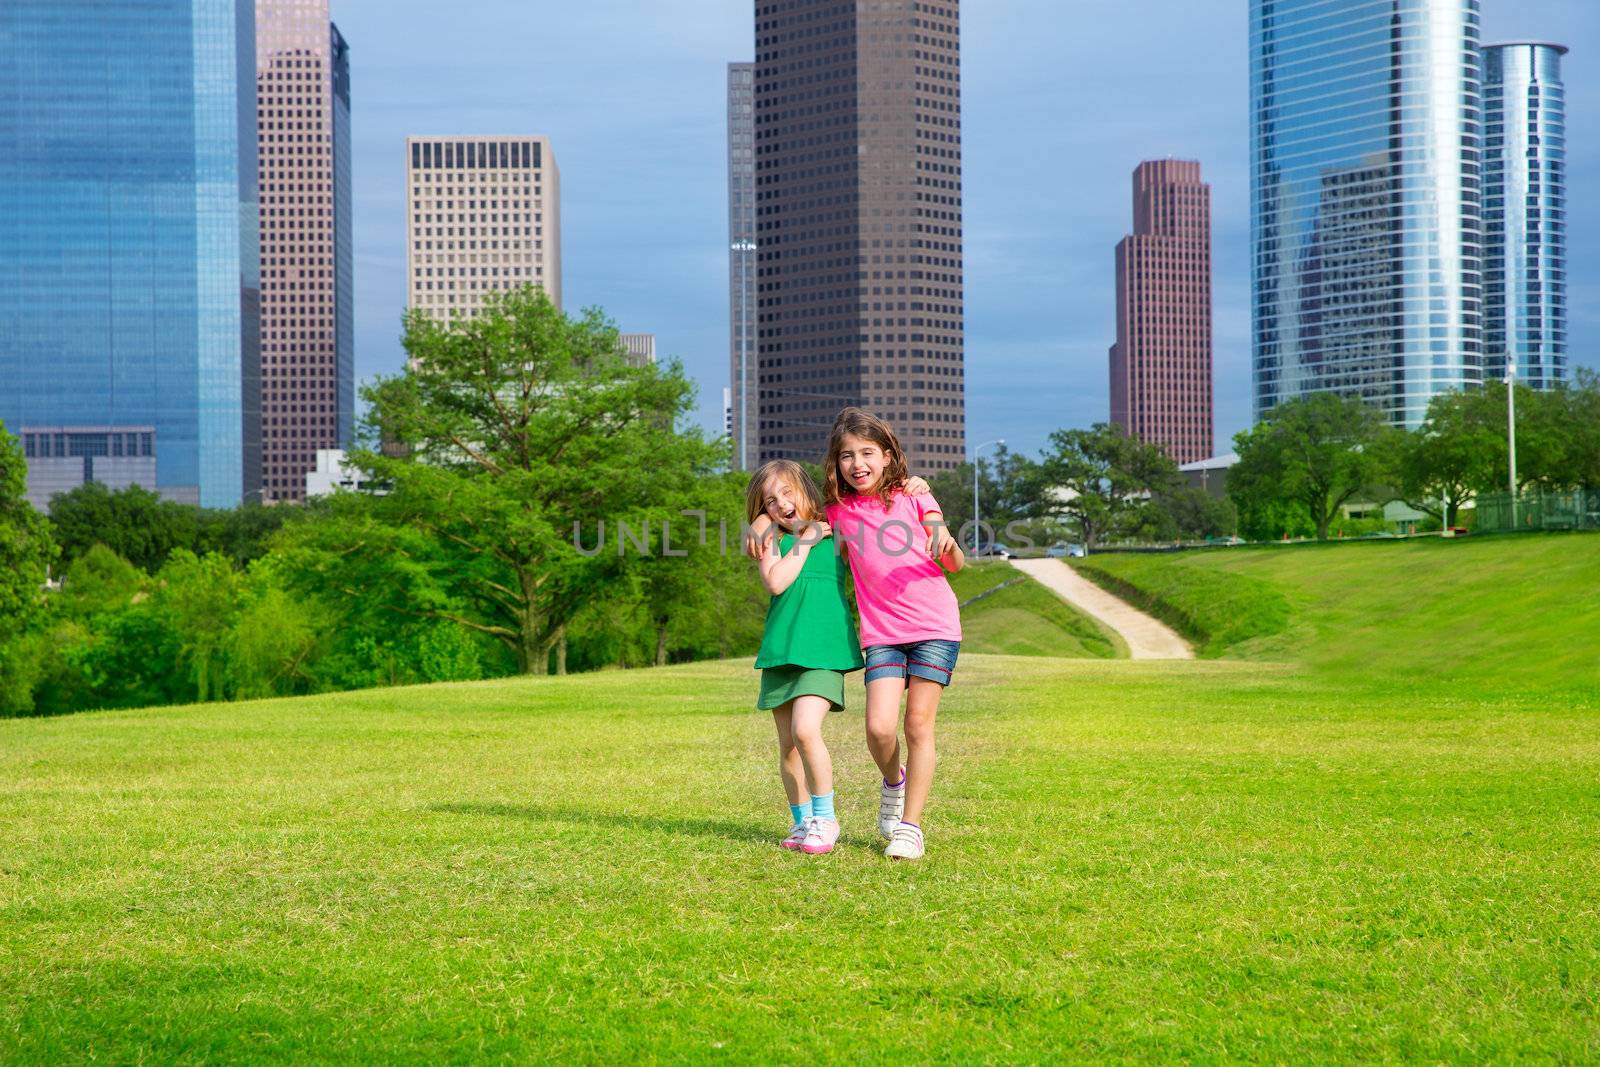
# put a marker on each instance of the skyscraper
(1161, 362)
(641, 348)
(858, 223)
(307, 302)
(742, 262)
(482, 214)
(1365, 201)
(1524, 212)
(129, 269)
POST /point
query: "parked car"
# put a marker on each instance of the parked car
(992, 550)
(1063, 549)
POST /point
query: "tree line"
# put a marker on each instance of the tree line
(537, 508)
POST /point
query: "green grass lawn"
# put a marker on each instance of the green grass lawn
(1020, 617)
(1373, 840)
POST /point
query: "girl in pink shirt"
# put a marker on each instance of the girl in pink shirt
(910, 623)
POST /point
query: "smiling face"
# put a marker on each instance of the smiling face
(861, 463)
(783, 503)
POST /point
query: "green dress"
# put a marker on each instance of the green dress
(810, 639)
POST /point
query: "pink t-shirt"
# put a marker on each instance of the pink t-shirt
(901, 593)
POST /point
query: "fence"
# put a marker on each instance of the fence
(1538, 509)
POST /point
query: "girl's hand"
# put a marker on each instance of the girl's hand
(758, 537)
(917, 487)
(813, 532)
(939, 540)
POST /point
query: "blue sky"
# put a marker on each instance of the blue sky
(1062, 98)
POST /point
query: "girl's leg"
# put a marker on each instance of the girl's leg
(883, 725)
(789, 762)
(922, 707)
(807, 713)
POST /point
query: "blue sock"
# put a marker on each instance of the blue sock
(799, 811)
(822, 807)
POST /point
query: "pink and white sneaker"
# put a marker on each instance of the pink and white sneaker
(821, 837)
(797, 835)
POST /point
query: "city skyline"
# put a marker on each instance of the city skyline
(1040, 295)
(649, 237)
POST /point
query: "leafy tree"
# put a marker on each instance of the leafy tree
(134, 523)
(1108, 479)
(201, 595)
(26, 552)
(1009, 490)
(1580, 405)
(1317, 451)
(1457, 451)
(97, 582)
(1190, 513)
(506, 434)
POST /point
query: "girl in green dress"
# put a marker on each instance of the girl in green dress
(809, 643)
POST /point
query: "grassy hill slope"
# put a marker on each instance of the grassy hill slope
(1220, 859)
(1491, 613)
(1023, 618)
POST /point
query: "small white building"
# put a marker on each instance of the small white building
(333, 473)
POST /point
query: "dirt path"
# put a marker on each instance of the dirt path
(1147, 638)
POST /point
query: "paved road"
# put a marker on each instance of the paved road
(1147, 638)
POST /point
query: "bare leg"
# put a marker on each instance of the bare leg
(806, 719)
(922, 707)
(883, 725)
(789, 764)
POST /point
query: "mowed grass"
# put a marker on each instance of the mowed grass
(1287, 858)
(1020, 617)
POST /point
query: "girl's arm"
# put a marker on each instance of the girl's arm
(778, 571)
(756, 541)
(941, 546)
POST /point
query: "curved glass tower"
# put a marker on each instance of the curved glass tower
(1525, 212)
(1365, 201)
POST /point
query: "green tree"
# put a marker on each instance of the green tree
(97, 582)
(1191, 513)
(1107, 480)
(1440, 465)
(202, 596)
(509, 433)
(26, 553)
(134, 523)
(1316, 451)
(1009, 490)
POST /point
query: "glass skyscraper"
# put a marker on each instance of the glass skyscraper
(129, 272)
(1525, 212)
(1366, 201)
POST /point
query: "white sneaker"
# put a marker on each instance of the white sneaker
(821, 838)
(797, 835)
(906, 844)
(891, 805)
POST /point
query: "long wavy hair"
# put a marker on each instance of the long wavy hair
(868, 427)
(800, 482)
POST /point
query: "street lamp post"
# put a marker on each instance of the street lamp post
(975, 451)
(1511, 435)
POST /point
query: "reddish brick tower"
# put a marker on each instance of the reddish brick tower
(1161, 363)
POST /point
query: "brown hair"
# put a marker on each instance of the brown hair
(755, 495)
(868, 427)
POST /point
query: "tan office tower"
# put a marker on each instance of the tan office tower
(482, 214)
(307, 388)
(858, 223)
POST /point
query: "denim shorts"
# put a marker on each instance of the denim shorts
(933, 660)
